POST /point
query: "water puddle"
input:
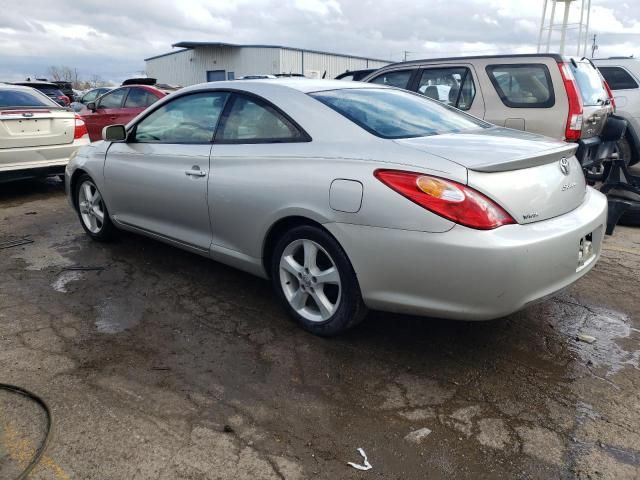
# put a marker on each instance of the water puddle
(617, 343)
(117, 315)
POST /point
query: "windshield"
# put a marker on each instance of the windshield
(20, 98)
(589, 82)
(391, 113)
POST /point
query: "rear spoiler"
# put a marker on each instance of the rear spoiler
(546, 156)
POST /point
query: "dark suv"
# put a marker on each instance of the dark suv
(51, 90)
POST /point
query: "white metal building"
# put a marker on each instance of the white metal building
(199, 62)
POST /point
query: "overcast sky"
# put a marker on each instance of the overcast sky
(111, 38)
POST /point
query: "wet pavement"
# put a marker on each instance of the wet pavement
(160, 364)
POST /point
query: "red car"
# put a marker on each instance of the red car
(118, 107)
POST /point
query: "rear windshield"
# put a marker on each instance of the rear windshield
(20, 98)
(589, 82)
(49, 90)
(391, 113)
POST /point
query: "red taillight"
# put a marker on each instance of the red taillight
(574, 120)
(610, 93)
(451, 200)
(64, 99)
(80, 129)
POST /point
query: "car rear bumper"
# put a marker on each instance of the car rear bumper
(472, 274)
(25, 158)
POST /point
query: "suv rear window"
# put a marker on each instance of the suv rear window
(389, 113)
(618, 78)
(20, 98)
(589, 83)
(523, 85)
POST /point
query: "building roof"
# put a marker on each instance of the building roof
(191, 45)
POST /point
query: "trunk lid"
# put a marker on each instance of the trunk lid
(532, 177)
(35, 127)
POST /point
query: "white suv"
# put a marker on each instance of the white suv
(623, 76)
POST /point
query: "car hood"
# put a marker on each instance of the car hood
(493, 149)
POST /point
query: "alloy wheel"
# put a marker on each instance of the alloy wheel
(91, 206)
(310, 280)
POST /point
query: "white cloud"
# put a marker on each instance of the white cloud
(112, 38)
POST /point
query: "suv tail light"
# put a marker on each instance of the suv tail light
(574, 120)
(451, 200)
(64, 99)
(610, 93)
(80, 128)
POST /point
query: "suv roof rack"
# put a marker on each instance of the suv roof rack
(555, 56)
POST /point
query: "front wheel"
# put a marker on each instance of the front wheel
(92, 210)
(316, 282)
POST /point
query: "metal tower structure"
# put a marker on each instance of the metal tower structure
(548, 27)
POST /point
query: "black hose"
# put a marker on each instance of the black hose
(43, 446)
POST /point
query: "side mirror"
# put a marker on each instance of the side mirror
(114, 133)
(92, 106)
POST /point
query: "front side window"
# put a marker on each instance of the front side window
(399, 78)
(618, 78)
(252, 121)
(139, 98)
(391, 113)
(187, 119)
(523, 86)
(90, 96)
(113, 99)
(452, 86)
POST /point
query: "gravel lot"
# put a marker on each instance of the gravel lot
(164, 365)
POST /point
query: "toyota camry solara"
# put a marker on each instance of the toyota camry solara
(348, 197)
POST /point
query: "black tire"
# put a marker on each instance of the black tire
(624, 151)
(350, 309)
(106, 230)
(631, 216)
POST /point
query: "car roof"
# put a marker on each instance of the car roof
(36, 84)
(557, 57)
(14, 86)
(305, 85)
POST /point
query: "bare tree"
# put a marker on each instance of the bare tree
(62, 73)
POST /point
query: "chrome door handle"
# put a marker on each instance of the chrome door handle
(195, 172)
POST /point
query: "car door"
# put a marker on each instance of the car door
(157, 179)
(105, 113)
(454, 85)
(254, 141)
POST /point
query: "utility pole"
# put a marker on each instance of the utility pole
(594, 46)
(405, 54)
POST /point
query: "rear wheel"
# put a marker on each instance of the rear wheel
(315, 280)
(92, 210)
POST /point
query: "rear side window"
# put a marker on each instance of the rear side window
(18, 98)
(589, 83)
(523, 85)
(452, 86)
(389, 113)
(139, 98)
(618, 78)
(252, 121)
(399, 78)
(113, 99)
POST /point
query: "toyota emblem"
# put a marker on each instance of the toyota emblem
(564, 166)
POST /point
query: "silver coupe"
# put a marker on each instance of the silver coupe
(348, 196)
